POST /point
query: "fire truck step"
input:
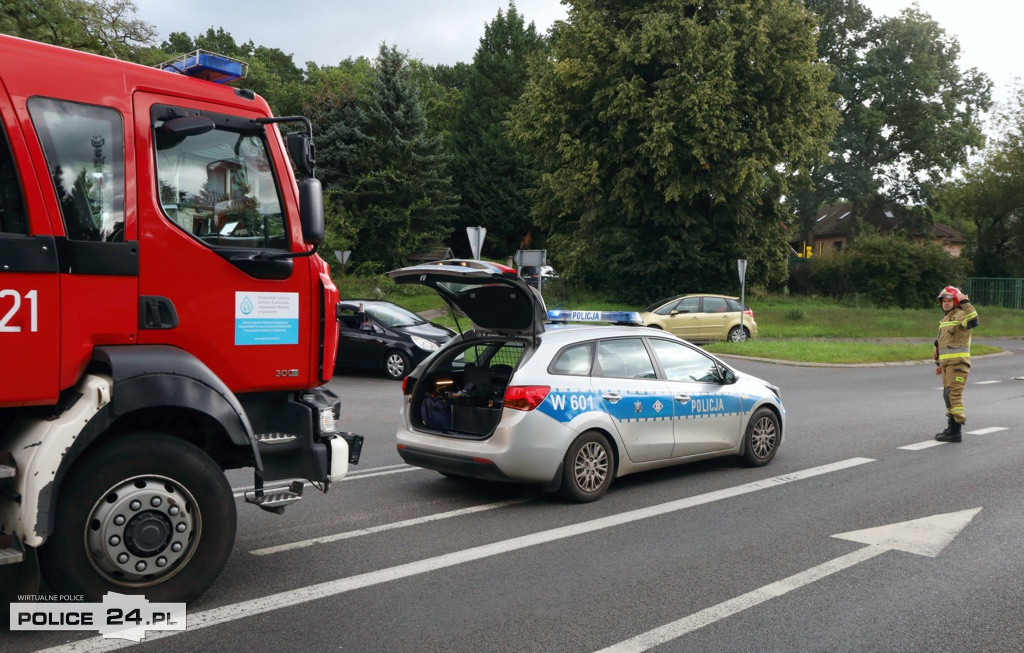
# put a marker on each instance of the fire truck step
(275, 500)
(8, 468)
(11, 550)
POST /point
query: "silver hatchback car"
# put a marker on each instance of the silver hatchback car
(569, 408)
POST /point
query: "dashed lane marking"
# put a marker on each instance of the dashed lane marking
(386, 527)
(927, 444)
(370, 473)
(986, 431)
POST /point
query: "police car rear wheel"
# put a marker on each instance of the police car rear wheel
(588, 467)
(762, 438)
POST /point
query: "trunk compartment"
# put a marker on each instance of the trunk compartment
(462, 394)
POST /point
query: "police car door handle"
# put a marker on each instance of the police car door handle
(611, 397)
(683, 399)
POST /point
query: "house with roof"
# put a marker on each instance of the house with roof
(836, 225)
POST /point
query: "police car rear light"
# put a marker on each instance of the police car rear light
(525, 397)
(407, 384)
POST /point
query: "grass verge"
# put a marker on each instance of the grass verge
(831, 352)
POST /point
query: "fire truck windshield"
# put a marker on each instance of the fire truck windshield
(219, 186)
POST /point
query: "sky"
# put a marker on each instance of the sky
(449, 31)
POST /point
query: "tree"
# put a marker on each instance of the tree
(665, 133)
(491, 174)
(107, 27)
(440, 88)
(910, 115)
(991, 196)
(385, 171)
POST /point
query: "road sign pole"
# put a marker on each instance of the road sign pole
(741, 264)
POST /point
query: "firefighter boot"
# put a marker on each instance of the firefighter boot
(952, 432)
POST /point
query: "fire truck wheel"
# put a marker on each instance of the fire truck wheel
(150, 514)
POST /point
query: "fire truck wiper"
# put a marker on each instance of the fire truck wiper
(264, 255)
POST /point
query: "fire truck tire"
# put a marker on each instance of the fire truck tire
(149, 514)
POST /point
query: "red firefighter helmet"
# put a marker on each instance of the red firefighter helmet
(950, 292)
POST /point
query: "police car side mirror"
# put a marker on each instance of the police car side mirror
(726, 376)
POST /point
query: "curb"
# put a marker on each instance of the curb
(779, 361)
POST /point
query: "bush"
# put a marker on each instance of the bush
(887, 270)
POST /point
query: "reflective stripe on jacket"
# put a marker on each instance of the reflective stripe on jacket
(954, 342)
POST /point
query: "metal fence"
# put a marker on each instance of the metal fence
(991, 291)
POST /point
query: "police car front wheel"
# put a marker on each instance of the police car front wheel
(762, 438)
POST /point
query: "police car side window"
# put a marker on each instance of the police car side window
(13, 219)
(84, 148)
(574, 360)
(681, 363)
(625, 358)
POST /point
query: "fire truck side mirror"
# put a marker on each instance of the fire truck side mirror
(302, 153)
(311, 210)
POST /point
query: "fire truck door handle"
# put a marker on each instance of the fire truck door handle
(157, 313)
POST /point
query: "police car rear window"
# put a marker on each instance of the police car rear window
(574, 360)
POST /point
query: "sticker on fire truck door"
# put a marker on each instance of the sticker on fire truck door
(266, 318)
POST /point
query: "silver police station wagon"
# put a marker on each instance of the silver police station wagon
(569, 407)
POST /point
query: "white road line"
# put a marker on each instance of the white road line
(354, 477)
(986, 382)
(386, 527)
(986, 431)
(927, 444)
(728, 608)
(227, 613)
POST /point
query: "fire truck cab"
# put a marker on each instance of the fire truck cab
(163, 318)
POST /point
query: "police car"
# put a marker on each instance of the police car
(570, 408)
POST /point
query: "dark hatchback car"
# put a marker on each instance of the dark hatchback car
(380, 335)
(533, 273)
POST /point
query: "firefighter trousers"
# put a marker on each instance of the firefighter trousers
(954, 378)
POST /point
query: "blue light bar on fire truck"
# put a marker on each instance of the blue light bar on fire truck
(631, 318)
(207, 65)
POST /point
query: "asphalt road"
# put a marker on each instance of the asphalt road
(707, 557)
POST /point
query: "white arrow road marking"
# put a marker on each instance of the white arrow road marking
(927, 537)
(301, 595)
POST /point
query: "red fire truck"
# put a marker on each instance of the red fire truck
(163, 318)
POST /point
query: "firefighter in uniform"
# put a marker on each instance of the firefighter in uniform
(953, 357)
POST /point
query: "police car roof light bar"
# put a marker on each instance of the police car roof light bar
(207, 65)
(630, 318)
